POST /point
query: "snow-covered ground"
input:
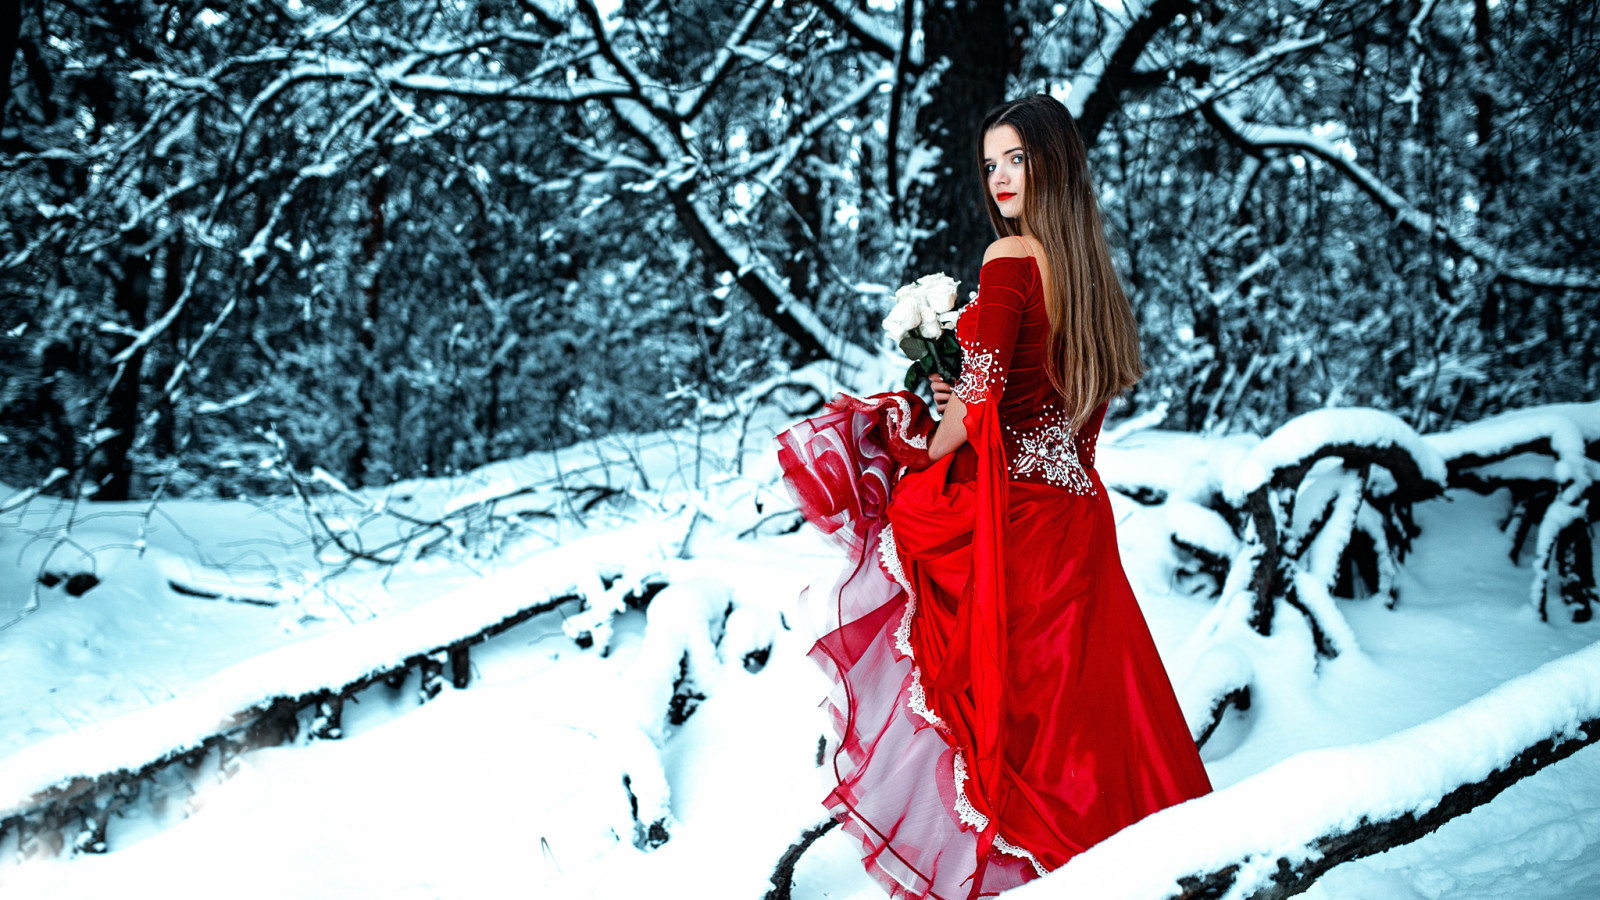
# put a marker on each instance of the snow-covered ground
(515, 785)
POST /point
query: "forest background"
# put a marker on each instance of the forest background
(403, 238)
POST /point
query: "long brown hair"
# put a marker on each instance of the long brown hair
(1093, 350)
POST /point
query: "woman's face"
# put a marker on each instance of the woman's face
(1005, 169)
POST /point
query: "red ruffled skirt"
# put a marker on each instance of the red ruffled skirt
(1091, 736)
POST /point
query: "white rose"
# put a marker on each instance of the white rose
(930, 327)
(921, 305)
(940, 291)
(903, 318)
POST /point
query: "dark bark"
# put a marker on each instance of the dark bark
(432, 668)
(979, 40)
(802, 191)
(1211, 563)
(361, 463)
(1119, 75)
(328, 724)
(1273, 576)
(164, 442)
(131, 294)
(1369, 837)
(1266, 580)
(1575, 567)
(1238, 698)
(783, 876)
(10, 31)
(460, 665)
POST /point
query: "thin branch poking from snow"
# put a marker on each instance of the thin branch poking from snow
(1256, 138)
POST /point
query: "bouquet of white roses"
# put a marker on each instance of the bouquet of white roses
(923, 324)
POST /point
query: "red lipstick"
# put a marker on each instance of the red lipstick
(1004, 196)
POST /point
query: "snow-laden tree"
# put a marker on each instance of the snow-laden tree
(408, 237)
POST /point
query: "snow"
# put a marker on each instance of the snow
(545, 774)
(1301, 436)
(1569, 428)
(1276, 813)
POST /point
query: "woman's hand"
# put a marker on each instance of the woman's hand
(941, 391)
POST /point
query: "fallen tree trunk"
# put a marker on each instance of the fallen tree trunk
(1372, 837)
(43, 810)
(1287, 826)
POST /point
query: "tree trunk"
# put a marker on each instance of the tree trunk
(164, 442)
(131, 293)
(10, 31)
(975, 42)
(372, 255)
(1489, 172)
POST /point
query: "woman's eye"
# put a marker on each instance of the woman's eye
(1017, 160)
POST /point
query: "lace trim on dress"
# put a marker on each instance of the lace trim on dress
(917, 700)
(1005, 846)
(969, 815)
(903, 423)
(890, 556)
(917, 695)
(1047, 452)
(965, 811)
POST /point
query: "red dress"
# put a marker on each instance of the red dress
(999, 703)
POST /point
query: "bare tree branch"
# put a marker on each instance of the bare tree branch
(1257, 139)
(694, 103)
(1097, 89)
(868, 32)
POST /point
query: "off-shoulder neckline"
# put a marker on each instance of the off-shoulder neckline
(1013, 258)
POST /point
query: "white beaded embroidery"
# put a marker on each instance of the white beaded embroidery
(1047, 452)
(1087, 456)
(977, 370)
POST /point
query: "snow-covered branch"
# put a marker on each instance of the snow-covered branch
(1274, 833)
(640, 87)
(769, 163)
(692, 103)
(1257, 139)
(873, 35)
(1544, 457)
(1097, 87)
(1087, 81)
(1256, 66)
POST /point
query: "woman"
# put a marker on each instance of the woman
(999, 701)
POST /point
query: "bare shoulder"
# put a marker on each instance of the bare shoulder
(1013, 246)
